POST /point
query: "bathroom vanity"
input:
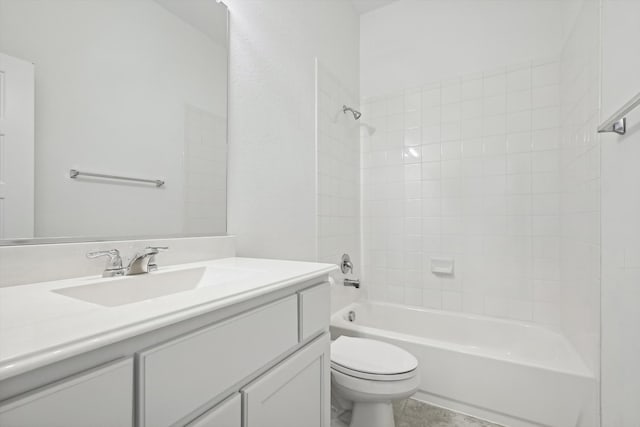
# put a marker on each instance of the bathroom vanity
(239, 342)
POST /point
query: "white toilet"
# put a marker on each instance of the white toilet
(369, 375)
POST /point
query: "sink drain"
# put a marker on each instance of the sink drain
(351, 316)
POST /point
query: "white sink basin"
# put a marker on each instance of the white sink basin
(130, 289)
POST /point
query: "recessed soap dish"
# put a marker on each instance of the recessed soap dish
(442, 266)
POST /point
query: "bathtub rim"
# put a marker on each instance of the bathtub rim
(338, 320)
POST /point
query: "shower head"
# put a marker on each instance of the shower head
(356, 114)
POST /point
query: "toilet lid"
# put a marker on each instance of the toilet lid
(371, 356)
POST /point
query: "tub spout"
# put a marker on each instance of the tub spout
(352, 282)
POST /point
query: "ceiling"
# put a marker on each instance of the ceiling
(364, 6)
(205, 15)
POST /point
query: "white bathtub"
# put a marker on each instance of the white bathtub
(513, 373)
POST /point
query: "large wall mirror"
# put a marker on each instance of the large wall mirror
(113, 119)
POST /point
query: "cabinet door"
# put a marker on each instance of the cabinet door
(294, 393)
(315, 310)
(100, 398)
(226, 414)
(181, 376)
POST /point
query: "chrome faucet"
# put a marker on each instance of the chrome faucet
(346, 266)
(352, 282)
(114, 264)
(145, 261)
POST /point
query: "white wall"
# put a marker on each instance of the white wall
(272, 169)
(577, 294)
(113, 80)
(620, 218)
(412, 42)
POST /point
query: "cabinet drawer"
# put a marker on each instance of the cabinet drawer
(181, 376)
(226, 414)
(99, 398)
(315, 309)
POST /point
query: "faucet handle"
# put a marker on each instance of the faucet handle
(114, 265)
(346, 266)
(154, 250)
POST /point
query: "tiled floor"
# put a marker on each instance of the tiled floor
(412, 413)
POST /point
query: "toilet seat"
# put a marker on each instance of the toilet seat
(372, 360)
(372, 377)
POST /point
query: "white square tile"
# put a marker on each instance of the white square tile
(431, 134)
(543, 118)
(413, 137)
(547, 74)
(495, 165)
(431, 116)
(452, 301)
(431, 225)
(519, 142)
(519, 122)
(472, 303)
(413, 296)
(494, 105)
(412, 154)
(432, 298)
(471, 129)
(431, 170)
(494, 84)
(451, 169)
(494, 145)
(450, 131)
(450, 113)
(546, 96)
(519, 101)
(431, 152)
(472, 148)
(471, 109)
(471, 89)
(519, 163)
(412, 172)
(546, 139)
(544, 161)
(451, 94)
(494, 125)
(451, 150)
(395, 105)
(519, 80)
(412, 119)
(548, 182)
(412, 101)
(545, 204)
(431, 207)
(431, 98)
(395, 122)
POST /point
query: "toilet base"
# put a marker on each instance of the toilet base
(372, 414)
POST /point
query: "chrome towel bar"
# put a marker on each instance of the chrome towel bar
(74, 173)
(618, 122)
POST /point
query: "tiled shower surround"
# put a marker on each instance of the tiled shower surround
(338, 172)
(466, 169)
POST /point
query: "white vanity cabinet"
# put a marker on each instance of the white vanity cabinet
(262, 363)
(102, 397)
(182, 375)
(226, 414)
(295, 393)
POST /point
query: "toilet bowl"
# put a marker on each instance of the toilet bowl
(369, 375)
